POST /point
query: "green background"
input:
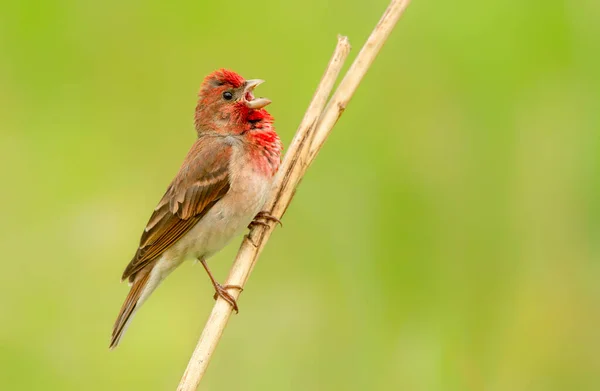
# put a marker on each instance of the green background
(447, 238)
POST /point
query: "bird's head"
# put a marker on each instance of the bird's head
(226, 103)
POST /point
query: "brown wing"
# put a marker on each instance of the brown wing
(202, 180)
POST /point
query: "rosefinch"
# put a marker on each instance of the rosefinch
(221, 186)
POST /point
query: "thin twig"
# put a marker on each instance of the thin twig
(357, 71)
(307, 142)
(289, 174)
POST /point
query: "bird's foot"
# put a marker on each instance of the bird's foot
(268, 216)
(221, 290)
(261, 218)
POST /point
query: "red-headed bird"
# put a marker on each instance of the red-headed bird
(221, 186)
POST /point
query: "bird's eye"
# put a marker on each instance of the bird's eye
(227, 95)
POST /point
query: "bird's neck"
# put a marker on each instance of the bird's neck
(265, 148)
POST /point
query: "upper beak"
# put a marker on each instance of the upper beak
(251, 84)
(257, 103)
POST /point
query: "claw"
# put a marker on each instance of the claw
(257, 222)
(221, 290)
(266, 216)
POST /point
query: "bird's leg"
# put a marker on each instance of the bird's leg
(264, 215)
(221, 290)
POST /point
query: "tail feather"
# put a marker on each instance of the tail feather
(128, 309)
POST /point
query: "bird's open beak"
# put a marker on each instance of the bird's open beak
(251, 102)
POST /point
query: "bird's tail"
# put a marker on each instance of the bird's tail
(132, 302)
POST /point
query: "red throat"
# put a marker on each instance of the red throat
(266, 151)
(266, 145)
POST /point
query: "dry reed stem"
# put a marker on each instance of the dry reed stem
(309, 139)
(357, 71)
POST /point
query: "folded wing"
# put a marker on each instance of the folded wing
(202, 181)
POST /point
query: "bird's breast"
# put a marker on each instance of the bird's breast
(230, 216)
(249, 186)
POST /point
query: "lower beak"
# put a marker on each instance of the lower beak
(257, 103)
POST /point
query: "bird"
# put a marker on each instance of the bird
(220, 189)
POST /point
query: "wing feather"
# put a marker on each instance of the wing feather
(202, 181)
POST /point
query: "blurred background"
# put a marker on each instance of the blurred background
(447, 238)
